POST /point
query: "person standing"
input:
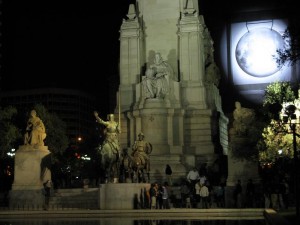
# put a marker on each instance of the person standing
(47, 191)
(168, 172)
(184, 192)
(159, 198)
(204, 194)
(219, 196)
(197, 199)
(237, 195)
(165, 196)
(285, 190)
(202, 179)
(193, 177)
(153, 195)
(250, 195)
(210, 198)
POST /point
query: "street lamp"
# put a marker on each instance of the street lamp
(290, 118)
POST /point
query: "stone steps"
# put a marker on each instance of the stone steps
(75, 198)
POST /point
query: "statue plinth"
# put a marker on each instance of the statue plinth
(33, 148)
(31, 171)
(156, 103)
(124, 196)
(30, 174)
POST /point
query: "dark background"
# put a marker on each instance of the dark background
(74, 44)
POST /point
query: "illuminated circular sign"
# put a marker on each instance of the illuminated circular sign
(256, 52)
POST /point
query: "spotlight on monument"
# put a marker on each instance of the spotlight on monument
(253, 53)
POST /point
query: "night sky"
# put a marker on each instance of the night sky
(64, 44)
(74, 44)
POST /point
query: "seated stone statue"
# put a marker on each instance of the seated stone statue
(243, 118)
(213, 75)
(35, 130)
(156, 81)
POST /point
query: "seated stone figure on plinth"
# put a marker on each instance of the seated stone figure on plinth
(156, 80)
(35, 131)
(243, 120)
(32, 166)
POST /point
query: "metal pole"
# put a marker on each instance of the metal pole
(296, 170)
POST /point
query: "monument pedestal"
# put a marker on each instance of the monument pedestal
(240, 169)
(124, 196)
(31, 171)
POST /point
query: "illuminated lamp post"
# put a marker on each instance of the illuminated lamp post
(290, 119)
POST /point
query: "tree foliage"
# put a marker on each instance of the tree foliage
(9, 132)
(56, 139)
(276, 138)
(12, 131)
(276, 135)
(245, 133)
(291, 53)
(275, 94)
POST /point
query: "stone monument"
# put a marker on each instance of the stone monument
(32, 162)
(169, 87)
(241, 167)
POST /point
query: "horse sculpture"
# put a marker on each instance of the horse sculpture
(126, 166)
(140, 165)
(109, 150)
(140, 160)
(134, 167)
(109, 160)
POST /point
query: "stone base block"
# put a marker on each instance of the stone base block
(26, 199)
(31, 168)
(124, 196)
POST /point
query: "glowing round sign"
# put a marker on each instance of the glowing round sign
(256, 52)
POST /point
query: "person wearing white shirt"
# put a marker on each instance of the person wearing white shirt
(193, 177)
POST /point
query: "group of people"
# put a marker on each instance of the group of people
(277, 193)
(159, 196)
(272, 195)
(197, 192)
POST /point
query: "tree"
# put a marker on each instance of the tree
(245, 133)
(277, 142)
(275, 94)
(276, 135)
(11, 135)
(291, 53)
(13, 123)
(9, 132)
(56, 139)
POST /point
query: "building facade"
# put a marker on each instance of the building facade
(74, 107)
